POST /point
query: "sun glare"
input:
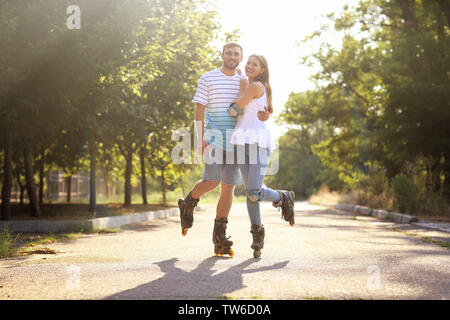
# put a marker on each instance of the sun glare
(273, 29)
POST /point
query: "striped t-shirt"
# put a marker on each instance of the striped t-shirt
(216, 91)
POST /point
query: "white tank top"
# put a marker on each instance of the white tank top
(249, 129)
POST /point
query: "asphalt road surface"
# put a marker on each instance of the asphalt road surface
(326, 255)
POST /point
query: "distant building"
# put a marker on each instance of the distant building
(57, 186)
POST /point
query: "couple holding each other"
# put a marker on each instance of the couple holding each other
(235, 112)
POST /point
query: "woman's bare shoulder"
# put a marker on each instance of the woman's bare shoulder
(256, 87)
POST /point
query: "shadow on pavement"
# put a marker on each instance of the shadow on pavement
(200, 283)
(140, 227)
(148, 225)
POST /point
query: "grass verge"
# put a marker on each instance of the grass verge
(443, 244)
(12, 245)
(7, 242)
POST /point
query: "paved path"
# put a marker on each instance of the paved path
(325, 256)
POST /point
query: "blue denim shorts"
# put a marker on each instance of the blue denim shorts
(221, 166)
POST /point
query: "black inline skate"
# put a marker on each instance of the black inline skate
(287, 206)
(258, 234)
(222, 244)
(187, 212)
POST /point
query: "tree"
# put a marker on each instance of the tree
(129, 71)
(383, 97)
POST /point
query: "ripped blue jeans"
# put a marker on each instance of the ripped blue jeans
(253, 162)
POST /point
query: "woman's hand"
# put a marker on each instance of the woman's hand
(264, 115)
(243, 84)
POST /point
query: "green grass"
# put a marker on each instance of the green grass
(80, 211)
(45, 239)
(38, 241)
(112, 206)
(33, 244)
(439, 243)
(226, 297)
(443, 244)
(171, 198)
(108, 230)
(27, 244)
(7, 242)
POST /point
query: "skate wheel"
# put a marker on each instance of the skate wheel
(256, 254)
(231, 253)
(291, 224)
(184, 232)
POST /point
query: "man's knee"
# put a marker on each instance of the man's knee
(210, 184)
(254, 195)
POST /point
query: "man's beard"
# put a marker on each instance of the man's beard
(231, 66)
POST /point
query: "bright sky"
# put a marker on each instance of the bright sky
(272, 28)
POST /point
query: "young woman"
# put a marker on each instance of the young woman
(254, 143)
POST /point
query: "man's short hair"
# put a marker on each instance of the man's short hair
(230, 45)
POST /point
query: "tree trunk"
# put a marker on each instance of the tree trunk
(105, 178)
(41, 180)
(446, 169)
(437, 178)
(163, 185)
(407, 7)
(16, 192)
(21, 188)
(29, 176)
(92, 174)
(446, 189)
(7, 178)
(445, 7)
(69, 187)
(22, 193)
(143, 175)
(128, 172)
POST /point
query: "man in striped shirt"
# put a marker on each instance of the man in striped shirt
(216, 90)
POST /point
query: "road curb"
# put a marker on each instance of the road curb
(36, 226)
(382, 214)
(432, 226)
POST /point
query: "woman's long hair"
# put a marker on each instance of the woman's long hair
(264, 79)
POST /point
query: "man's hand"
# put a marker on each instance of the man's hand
(264, 115)
(202, 147)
